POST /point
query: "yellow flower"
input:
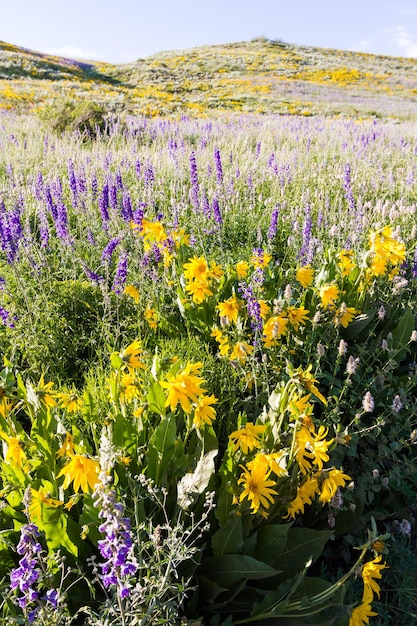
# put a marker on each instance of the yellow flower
(180, 237)
(344, 315)
(304, 451)
(5, 406)
(385, 250)
(67, 448)
(242, 268)
(128, 389)
(130, 290)
(305, 495)
(345, 262)
(320, 446)
(274, 329)
(229, 309)
(257, 488)
(308, 381)
(297, 316)
(264, 308)
(183, 387)
(152, 231)
(247, 438)
(39, 499)
(260, 258)
(45, 393)
(83, 471)
(370, 572)
(328, 295)
(151, 317)
(199, 290)
(334, 479)
(300, 406)
(72, 402)
(215, 271)
(196, 268)
(131, 356)
(204, 413)
(273, 462)
(138, 412)
(222, 340)
(305, 276)
(241, 351)
(15, 454)
(361, 614)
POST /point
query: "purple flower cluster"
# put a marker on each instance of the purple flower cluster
(347, 186)
(195, 189)
(252, 305)
(273, 225)
(117, 546)
(107, 253)
(303, 255)
(24, 577)
(219, 168)
(121, 273)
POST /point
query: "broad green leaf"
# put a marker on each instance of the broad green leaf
(270, 544)
(208, 589)
(359, 324)
(231, 569)
(401, 335)
(303, 544)
(165, 435)
(273, 599)
(124, 434)
(224, 506)
(156, 398)
(229, 538)
(56, 533)
(160, 448)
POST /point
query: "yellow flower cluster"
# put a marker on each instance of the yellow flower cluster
(155, 235)
(200, 278)
(386, 253)
(309, 450)
(184, 388)
(371, 572)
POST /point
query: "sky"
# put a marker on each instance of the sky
(122, 31)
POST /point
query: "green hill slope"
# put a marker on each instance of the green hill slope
(260, 76)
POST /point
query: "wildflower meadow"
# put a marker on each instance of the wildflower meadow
(207, 398)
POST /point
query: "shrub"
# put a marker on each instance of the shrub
(86, 118)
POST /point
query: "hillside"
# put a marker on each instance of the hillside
(260, 76)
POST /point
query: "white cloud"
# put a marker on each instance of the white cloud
(404, 40)
(406, 9)
(72, 52)
(362, 46)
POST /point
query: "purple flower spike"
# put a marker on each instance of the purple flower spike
(117, 546)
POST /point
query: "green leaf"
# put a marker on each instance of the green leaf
(359, 324)
(274, 598)
(156, 398)
(208, 589)
(270, 544)
(231, 569)
(56, 533)
(160, 448)
(229, 538)
(124, 434)
(165, 435)
(302, 544)
(401, 335)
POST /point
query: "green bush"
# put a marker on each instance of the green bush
(84, 117)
